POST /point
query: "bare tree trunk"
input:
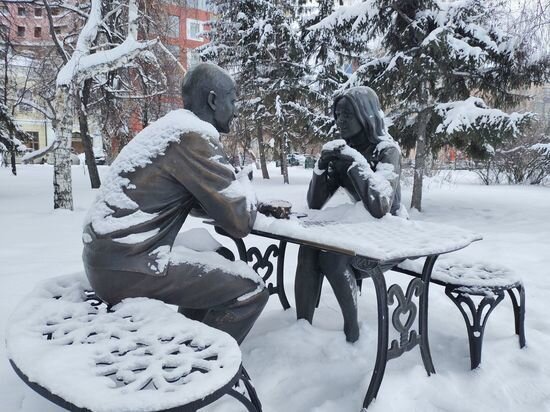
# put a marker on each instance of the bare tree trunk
(82, 102)
(62, 178)
(13, 166)
(261, 148)
(420, 157)
(284, 163)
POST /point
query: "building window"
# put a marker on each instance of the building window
(173, 26)
(198, 4)
(58, 29)
(38, 12)
(21, 31)
(21, 11)
(194, 28)
(32, 141)
(55, 11)
(38, 32)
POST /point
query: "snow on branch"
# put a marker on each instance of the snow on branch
(473, 114)
(358, 13)
(28, 157)
(543, 148)
(83, 65)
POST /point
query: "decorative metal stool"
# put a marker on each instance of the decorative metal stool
(139, 355)
(489, 282)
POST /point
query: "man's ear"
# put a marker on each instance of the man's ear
(212, 100)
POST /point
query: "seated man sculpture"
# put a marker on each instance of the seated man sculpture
(367, 158)
(176, 164)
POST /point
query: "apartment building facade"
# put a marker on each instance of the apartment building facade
(25, 25)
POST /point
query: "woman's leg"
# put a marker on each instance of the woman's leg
(307, 283)
(340, 275)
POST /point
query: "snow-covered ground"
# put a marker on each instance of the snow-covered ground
(297, 367)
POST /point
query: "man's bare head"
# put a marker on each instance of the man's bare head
(209, 91)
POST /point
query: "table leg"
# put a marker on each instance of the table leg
(379, 281)
(403, 316)
(423, 320)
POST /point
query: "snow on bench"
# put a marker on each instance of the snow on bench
(479, 278)
(141, 355)
(488, 280)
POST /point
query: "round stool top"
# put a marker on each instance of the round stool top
(139, 356)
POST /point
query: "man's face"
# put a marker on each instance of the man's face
(348, 124)
(225, 110)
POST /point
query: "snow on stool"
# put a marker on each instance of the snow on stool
(488, 280)
(139, 355)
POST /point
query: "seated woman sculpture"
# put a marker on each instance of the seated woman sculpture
(360, 122)
(132, 244)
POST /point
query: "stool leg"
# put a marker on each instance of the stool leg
(519, 312)
(253, 404)
(476, 327)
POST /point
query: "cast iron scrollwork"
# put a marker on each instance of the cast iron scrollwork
(405, 307)
(262, 260)
(477, 317)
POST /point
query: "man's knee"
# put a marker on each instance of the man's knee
(257, 297)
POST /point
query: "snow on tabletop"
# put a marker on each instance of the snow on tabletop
(150, 143)
(101, 360)
(351, 227)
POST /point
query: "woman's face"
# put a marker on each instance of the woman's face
(348, 124)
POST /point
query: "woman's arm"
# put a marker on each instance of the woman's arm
(377, 188)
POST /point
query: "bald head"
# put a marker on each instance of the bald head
(209, 91)
(201, 80)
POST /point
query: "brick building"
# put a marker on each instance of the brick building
(25, 25)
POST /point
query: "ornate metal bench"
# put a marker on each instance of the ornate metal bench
(139, 355)
(488, 281)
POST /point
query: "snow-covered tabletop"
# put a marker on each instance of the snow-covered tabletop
(141, 356)
(350, 228)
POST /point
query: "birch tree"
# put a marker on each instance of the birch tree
(88, 60)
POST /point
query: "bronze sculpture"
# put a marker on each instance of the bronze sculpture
(361, 124)
(173, 166)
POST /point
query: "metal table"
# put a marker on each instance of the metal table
(378, 246)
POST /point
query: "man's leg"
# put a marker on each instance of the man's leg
(307, 283)
(341, 277)
(222, 299)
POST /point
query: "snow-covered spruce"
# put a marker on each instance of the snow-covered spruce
(420, 56)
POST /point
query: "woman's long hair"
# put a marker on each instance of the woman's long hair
(367, 108)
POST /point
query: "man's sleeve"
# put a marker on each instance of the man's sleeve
(377, 188)
(203, 170)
